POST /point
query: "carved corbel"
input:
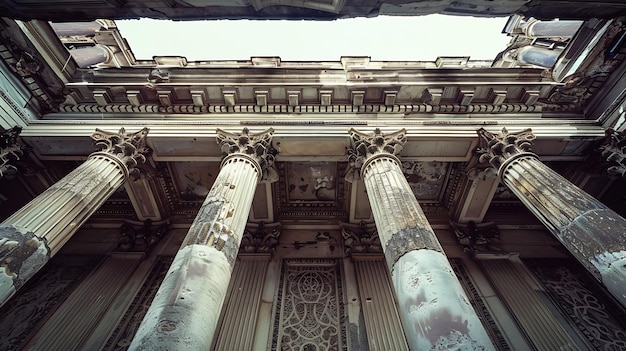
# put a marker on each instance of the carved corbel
(10, 151)
(260, 238)
(141, 237)
(477, 238)
(614, 152)
(360, 239)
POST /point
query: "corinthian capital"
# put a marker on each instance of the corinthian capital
(257, 146)
(366, 145)
(497, 148)
(10, 150)
(130, 148)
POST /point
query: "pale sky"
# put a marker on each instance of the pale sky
(385, 38)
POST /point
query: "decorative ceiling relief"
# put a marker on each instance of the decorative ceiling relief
(310, 189)
(426, 178)
(193, 180)
(312, 181)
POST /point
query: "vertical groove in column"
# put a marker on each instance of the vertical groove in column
(591, 231)
(185, 310)
(240, 314)
(61, 209)
(384, 331)
(434, 309)
(535, 319)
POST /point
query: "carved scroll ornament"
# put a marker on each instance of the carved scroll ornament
(366, 145)
(130, 148)
(258, 146)
(496, 149)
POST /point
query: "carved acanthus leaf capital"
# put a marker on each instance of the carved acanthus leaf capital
(10, 150)
(130, 148)
(361, 238)
(366, 145)
(497, 148)
(258, 146)
(614, 152)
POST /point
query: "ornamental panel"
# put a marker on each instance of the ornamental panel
(309, 307)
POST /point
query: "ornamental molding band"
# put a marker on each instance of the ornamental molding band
(481, 237)
(614, 151)
(363, 146)
(10, 151)
(260, 238)
(257, 146)
(361, 239)
(498, 149)
(128, 148)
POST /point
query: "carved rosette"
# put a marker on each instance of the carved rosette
(361, 238)
(498, 149)
(367, 145)
(614, 152)
(256, 146)
(10, 150)
(128, 148)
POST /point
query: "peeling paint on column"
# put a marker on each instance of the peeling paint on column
(409, 239)
(438, 315)
(587, 228)
(185, 310)
(22, 254)
(182, 321)
(435, 312)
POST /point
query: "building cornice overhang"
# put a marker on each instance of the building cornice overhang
(194, 140)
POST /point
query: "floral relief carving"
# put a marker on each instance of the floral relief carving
(258, 146)
(130, 148)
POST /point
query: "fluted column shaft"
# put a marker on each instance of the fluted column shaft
(36, 232)
(432, 304)
(185, 310)
(593, 233)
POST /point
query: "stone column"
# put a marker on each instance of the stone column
(593, 233)
(186, 309)
(38, 230)
(10, 150)
(433, 307)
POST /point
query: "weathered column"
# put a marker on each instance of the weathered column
(10, 150)
(38, 230)
(434, 309)
(185, 310)
(593, 233)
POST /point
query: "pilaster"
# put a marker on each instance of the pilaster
(185, 311)
(591, 231)
(37, 231)
(433, 306)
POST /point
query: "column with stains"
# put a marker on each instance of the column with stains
(185, 310)
(38, 230)
(591, 231)
(435, 312)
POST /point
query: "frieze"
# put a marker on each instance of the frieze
(141, 237)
